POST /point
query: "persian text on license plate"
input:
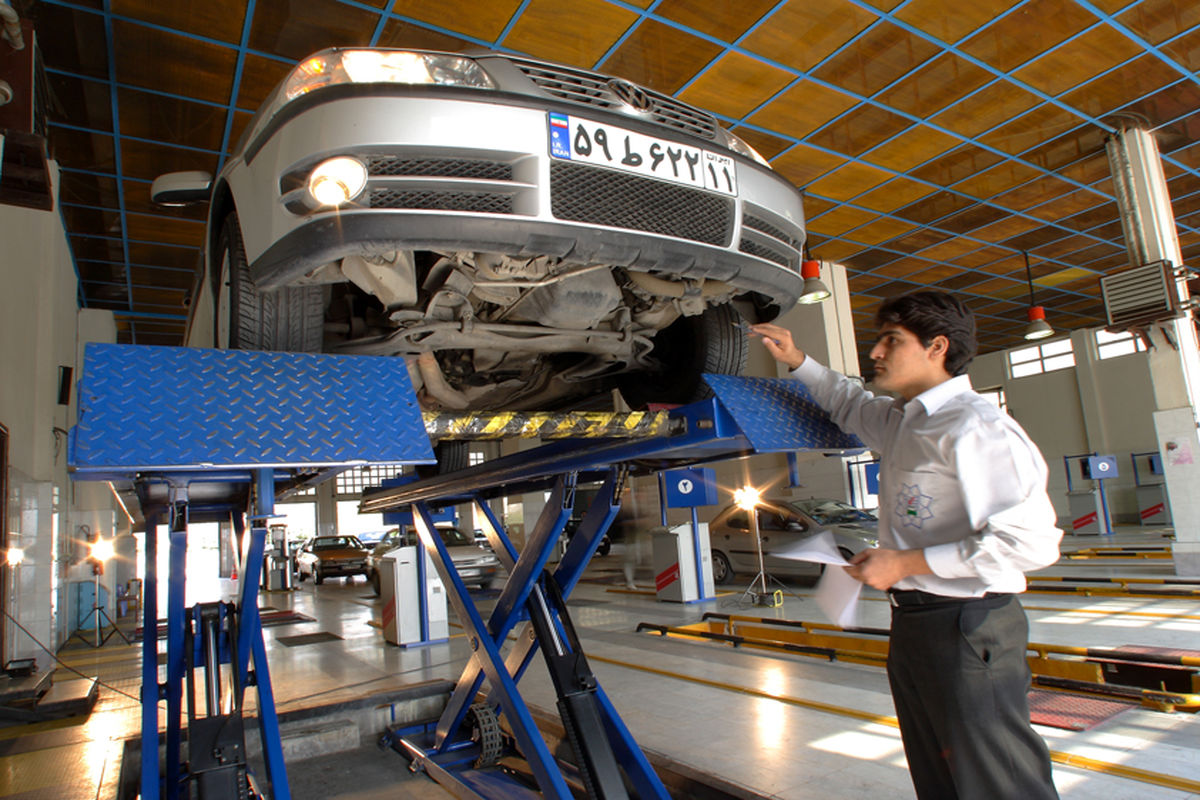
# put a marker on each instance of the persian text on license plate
(578, 139)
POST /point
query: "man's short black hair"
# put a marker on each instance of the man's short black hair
(932, 314)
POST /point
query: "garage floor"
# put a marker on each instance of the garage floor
(783, 726)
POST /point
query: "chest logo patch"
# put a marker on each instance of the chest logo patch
(913, 507)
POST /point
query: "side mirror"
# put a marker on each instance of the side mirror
(181, 188)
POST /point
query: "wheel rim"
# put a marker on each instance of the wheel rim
(720, 567)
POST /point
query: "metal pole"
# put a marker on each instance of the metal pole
(762, 568)
(150, 688)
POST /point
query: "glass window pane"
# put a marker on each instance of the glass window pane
(1104, 337)
(1030, 368)
(1060, 362)
(1118, 349)
(1023, 355)
(1056, 348)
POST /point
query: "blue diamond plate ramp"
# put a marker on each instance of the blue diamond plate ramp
(147, 408)
(778, 415)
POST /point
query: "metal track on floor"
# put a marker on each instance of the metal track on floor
(1159, 588)
(1163, 681)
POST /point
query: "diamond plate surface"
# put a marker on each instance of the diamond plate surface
(143, 407)
(778, 414)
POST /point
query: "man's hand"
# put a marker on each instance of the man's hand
(779, 344)
(881, 568)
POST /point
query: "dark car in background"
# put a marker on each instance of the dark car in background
(782, 524)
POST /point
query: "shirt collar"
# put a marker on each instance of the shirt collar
(933, 399)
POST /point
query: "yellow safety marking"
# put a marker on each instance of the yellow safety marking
(1067, 759)
(1113, 612)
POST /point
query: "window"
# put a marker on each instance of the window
(353, 481)
(1041, 358)
(995, 397)
(474, 458)
(1111, 345)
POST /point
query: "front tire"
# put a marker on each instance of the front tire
(290, 319)
(722, 571)
(686, 349)
(318, 578)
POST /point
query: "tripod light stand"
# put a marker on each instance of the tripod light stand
(102, 551)
(747, 499)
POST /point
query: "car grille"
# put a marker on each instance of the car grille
(476, 202)
(774, 243)
(605, 197)
(440, 168)
(591, 89)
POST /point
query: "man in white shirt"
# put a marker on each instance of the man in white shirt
(963, 514)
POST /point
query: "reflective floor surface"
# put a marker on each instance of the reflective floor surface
(779, 725)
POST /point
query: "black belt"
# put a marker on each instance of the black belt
(913, 597)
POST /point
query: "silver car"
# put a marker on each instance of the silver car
(527, 234)
(781, 525)
(476, 565)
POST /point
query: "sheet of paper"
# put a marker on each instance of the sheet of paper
(820, 548)
(837, 593)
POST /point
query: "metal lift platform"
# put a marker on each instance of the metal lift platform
(213, 436)
(747, 416)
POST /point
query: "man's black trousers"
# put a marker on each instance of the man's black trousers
(960, 682)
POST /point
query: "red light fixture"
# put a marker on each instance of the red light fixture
(1037, 328)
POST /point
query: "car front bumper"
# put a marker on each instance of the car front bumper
(462, 174)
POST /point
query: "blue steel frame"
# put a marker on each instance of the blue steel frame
(160, 416)
(749, 415)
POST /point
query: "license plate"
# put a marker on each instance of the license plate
(578, 139)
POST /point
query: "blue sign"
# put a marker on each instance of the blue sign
(872, 473)
(1156, 464)
(1100, 467)
(560, 135)
(688, 488)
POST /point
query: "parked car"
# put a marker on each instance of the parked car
(782, 524)
(530, 234)
(476, 565)
(329, 556)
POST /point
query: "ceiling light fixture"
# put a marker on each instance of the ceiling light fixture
(814, 289)
(1037, 328)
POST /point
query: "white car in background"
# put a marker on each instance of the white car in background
(528, 235)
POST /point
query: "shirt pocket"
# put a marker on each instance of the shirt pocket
(923, 500)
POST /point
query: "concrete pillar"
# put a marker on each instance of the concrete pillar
(1149, 227)
(327, 508)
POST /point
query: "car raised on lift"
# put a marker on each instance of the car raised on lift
(527, 234)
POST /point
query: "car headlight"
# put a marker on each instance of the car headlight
(337, 180)
(331, 67)
(735, 144)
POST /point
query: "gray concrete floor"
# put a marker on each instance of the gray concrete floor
(781, 726)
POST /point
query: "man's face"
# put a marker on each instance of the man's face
(905, 366)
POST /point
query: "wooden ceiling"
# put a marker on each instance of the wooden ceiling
(935, 140)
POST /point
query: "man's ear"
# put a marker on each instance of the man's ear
(940, 346)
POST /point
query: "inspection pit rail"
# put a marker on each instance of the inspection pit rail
(1167, 681)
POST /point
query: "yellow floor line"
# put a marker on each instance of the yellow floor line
(1113, 612)
(1067, 759)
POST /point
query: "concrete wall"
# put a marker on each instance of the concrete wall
(40, 331)
(1099, 406)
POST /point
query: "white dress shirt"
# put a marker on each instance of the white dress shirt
(958, 478)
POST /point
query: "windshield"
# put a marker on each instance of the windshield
(336, 542)
(451, 537)
(833, 512)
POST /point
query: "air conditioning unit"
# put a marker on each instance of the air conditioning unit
(1137, 297)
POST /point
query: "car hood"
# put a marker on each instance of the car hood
(339, 553)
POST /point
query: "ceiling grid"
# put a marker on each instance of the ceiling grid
(933, 143)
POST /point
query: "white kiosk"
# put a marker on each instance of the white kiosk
(681, 555)
(410, 615)
(1153, 506)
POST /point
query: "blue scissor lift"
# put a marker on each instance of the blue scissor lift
(209, 436)
(747, 416)
(206, 435)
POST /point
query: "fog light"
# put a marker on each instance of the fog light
(337, 180)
